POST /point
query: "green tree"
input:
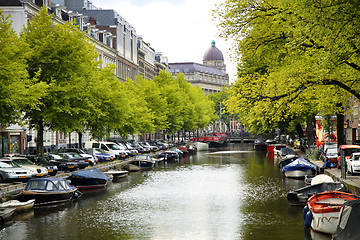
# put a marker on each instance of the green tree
(301, 49)
(16, 89)
(63, 59)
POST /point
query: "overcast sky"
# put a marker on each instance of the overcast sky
(181, 29)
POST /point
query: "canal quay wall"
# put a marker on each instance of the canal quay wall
(10, 191)
(352, 182)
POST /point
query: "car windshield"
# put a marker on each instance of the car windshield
(98, 150)
(74, 155)
(23, 161)
(113, 146)
(356, 157)
(5, 165)
(331, 151)
(57, 157)
(349, 151)
(12, 163)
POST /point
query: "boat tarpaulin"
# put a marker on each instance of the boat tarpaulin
(91, 173)
(300, 164)
(348, 226)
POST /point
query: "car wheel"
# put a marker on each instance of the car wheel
(352, 171)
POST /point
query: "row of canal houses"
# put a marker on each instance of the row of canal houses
(116, 43)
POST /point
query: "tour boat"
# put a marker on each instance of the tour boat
(299, 168)
(48, 191)
(89, 179)
(323, 210)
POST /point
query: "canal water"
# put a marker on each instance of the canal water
(233, 193)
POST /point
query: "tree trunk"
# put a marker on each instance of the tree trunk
(40, 138)
(340, 129)
(80, 140)
(310, 128)
(299, 131)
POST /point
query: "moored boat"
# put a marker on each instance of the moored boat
(286, 160)
(300, 196)
(323, 210)
(201, 146)
(299, 168)
(348, 227)
(5, 214)
(117, 173)
(89, 179)
(48, 191)
(19, 206)
(144, 162)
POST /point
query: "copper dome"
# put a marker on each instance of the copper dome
(213, 53)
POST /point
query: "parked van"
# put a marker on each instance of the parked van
(347, 150)
(110, 148)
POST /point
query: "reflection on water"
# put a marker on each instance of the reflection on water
(228, 195)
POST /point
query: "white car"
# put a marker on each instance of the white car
(13, 173)
(35, 170)
(353, 163)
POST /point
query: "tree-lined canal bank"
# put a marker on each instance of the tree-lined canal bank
(233, 194)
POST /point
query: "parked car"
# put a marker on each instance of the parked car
(42, 161)
(36, 171)
(82, 162)
(346, 150)
(297, 143)
(100, 155)
(132, 150)
(331, 155)
(139, 148)
(62, 163)
(353, 163)
(12, 172)
(90, 158)
(147, 145)
(110, 148)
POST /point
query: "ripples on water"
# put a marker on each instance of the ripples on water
(223, 195)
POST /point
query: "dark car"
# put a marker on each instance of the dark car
(139, 148)
(42, 161)
(90, 158)
(147, 145)
(62, 163)
(82, 162)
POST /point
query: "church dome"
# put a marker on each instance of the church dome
(213, 53)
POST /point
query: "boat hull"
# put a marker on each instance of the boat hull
(86, 183)
(297, 173)
(325, 222)
(46, 198)
(325, 210)
(19, 206)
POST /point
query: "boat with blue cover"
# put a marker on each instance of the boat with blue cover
(89, 179)
(299, 168)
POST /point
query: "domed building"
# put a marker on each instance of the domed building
(211, 76)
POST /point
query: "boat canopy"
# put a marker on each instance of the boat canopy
(48, 184)
(143, 157)
(348, 227)
(91, 173)
(299, 164)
